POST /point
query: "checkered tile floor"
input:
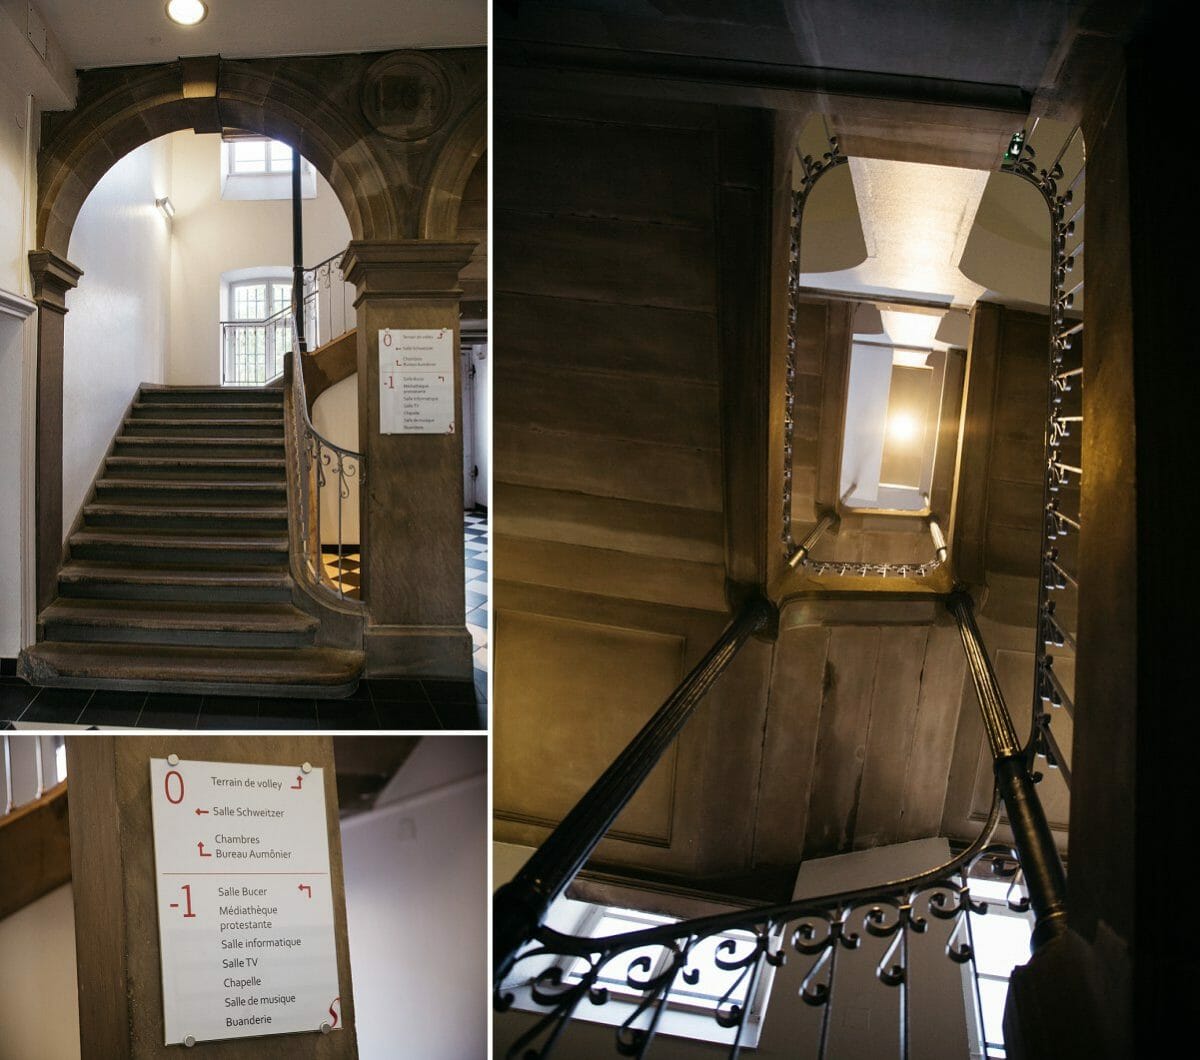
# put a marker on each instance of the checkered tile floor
(475, 542)
(345, 571)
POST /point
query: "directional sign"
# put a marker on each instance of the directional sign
(416, 381)
(245, 906)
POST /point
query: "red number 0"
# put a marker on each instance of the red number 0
(167, 786)
(387, 338)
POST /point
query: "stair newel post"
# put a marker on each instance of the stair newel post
(521, 905)
(1040, 862)
(298, 254)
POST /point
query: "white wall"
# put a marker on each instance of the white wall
(37, 978)
(116, 327)
(416, 907)
(212, 236)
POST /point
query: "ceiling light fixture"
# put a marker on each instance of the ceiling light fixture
(902, 428)
(186, 12)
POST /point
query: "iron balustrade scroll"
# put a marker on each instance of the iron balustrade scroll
(815, 931)
(322, 469)
(328, 302)
(1064, 425)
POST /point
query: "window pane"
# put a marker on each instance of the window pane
(281, 157)
(249, 156)
(249, 301)
(1001, 941)
(281, 297)
(992, 995)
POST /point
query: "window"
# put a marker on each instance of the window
(1001, 942)
(256, 167)
(259, 299)
(260, 156)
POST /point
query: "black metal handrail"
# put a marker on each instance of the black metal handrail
(1031, 834)
(520, 906)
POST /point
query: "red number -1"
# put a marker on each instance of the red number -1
(167, 786)
(187, 891)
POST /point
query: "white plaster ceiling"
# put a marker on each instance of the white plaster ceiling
(915, 222)
(131, 32)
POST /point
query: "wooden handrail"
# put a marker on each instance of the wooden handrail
(35, 850)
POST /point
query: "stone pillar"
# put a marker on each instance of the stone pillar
(411, 504)
(53, 277)
(116, 904)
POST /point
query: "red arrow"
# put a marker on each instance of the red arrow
(201, 848)
(306, 887)
(199, 812)
(298, 784)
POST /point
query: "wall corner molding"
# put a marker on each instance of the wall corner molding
(14, 305)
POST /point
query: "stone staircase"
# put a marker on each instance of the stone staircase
(177, 577)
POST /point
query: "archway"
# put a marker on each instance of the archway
(385, 166)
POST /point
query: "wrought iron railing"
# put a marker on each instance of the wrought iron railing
(327, 476)
(31, 765)
(252, 351)
(567, 971)
(328, 303)
(1058, 580)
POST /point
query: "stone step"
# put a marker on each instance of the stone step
(178, 517)
(122, 581)
(195, 468)
(154, 548)
(167, 395)
(323, 673)
(195, 410)
(194, 493)
(203, 428)
(245, 625)
(209, 448)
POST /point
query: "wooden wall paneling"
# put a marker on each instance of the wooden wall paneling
(116, 903)
(842, 738)
(797, 691)
(889, 745)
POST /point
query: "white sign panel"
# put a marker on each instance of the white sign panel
(416, 381)
(245, 908)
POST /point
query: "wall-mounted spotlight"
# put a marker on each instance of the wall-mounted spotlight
(186, 12)
(166, 207)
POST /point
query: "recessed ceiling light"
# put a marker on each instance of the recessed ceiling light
(902, 428)
(186, 12)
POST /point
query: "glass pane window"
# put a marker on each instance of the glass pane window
(248, 156)
(259, 156)
(249, 301)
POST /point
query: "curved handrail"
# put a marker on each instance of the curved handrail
(520, 906)
(315, 456)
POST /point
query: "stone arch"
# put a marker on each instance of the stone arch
(455, 163)
(142, 104)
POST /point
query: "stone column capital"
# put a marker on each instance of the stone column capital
(406, 268)
(53, 277)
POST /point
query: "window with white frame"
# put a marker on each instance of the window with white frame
(690, 1007)
(257, 167)
(1000, 940)
(259, 299)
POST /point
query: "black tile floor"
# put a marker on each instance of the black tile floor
(377, 703)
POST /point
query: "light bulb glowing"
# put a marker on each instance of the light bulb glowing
(186, 12)
(902, 428)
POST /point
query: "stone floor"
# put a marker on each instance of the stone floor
(378, 703)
